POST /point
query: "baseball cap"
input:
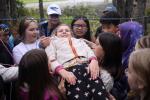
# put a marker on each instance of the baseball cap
(53, 9)
(110, 8)
(4, 27)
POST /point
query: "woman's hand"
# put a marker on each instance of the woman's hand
(94, 69)
(69, 76)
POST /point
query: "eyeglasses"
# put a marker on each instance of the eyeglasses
(79, 25)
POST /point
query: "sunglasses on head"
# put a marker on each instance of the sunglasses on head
(30, 19)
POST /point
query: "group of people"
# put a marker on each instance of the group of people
(54, 61)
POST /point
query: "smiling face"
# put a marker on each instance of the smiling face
(79, 28)
(54, 19)
(31, 32)
(63, 31)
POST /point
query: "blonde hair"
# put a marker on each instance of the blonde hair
(54, 33)
(140, 62)
(144, 42)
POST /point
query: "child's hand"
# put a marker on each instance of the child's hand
(94, 69)
(90, 44)
(44, 41)
(61, 86)
(69, 76)
(111, 97)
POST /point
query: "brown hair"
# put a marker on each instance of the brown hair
(24, 23)
(140, 62)
(33, 70)
(144, 42)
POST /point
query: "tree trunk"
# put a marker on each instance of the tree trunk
(124, 7)
(132, 8)
(4, 14)
(120, 4)
(41, 10)
(141, 6)
(129, 8)
(13, 8)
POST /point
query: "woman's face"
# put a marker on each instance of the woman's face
(54, 19)
(63, 31)
(79, 28)
(98, 50)
(31, 32)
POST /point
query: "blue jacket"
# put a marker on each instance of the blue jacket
(43, 26)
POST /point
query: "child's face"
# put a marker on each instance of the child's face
(98, 50)
(133, 79)
(79, 28)
(63, 31)
(109, 28)
(31, 32)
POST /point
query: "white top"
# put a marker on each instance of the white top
(60, 51)
(22, 48)
(107, 80)
(9, 74)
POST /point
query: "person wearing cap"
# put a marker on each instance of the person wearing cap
(109, 8)
(110, 22)
(47, 27)
(6, 58)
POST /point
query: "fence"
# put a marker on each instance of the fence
(94, 22)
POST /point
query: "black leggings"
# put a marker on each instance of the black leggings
(85, 88)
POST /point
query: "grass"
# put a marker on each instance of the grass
(34, 1)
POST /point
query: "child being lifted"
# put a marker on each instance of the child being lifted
(74, 61)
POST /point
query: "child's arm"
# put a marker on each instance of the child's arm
(56, 66)
(90, 44)
(44, 41)
(93, 68)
